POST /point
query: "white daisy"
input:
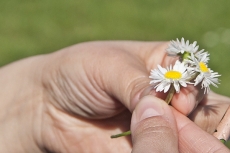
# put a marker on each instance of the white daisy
(207, 79)
(202, 54)
(177, 47)
(163, 78)
(206, 75)
(195, 59)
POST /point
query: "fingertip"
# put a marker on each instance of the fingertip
(187, 100)
(149, 106)
(153, 121)
(182, 103)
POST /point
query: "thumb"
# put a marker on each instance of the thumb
(153, 127)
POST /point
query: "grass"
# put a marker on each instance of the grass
(29, 28)
(36, 27)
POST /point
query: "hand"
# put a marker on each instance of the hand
(79, 96)
(209, 113)
(158, 128)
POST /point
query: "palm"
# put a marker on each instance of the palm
(71, 134)
(210, 111)
(77, 134)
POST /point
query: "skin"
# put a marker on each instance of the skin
(74, 99)
(168, 131)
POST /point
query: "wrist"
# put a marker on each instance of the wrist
(20, 111)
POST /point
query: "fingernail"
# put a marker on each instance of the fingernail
(149, 106)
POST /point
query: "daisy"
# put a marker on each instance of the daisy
(163, 78)
(206, 76)
(181, 47)
(195, 58)
(207, 79)
(202, 54)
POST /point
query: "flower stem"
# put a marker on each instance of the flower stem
(223, 141)
(121, 134)
(170, 95)
(167, 100)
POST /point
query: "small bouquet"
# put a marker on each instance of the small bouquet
(190, 68)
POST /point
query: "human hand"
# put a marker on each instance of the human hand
(158, 128)
(79, 96)
(210, 112)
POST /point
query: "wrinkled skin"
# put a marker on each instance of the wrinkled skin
(72, 100)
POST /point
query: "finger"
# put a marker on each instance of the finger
(134, 70)
(185, 101)
(210, 111)
(188, 98)
(194, 139)
(153, 127)
(223, 131)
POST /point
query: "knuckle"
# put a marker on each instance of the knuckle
(153, 128)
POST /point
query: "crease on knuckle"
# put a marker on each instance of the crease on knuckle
(156, 127)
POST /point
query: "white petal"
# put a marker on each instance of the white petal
(194, 43)
(177, 65)
(198, 79)
(177, 86)
(163, 70)
(167, 87)
(160, 86)
(183, 83)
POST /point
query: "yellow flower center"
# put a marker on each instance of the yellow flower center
(173, 75)
(203, 67)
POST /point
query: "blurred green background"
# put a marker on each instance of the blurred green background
(35, 27)
(41, 26)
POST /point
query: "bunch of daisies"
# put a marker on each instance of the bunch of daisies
(190, 68)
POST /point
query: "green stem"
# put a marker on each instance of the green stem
(121, 134)
(223, 141)
(170, 95)
(167, 100)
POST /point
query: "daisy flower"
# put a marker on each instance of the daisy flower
(163, 78)
(181, 47)
(200, 54)
(194, 59)
(206, 76)
(192, 65)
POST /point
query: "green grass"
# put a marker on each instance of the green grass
(36, 27)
